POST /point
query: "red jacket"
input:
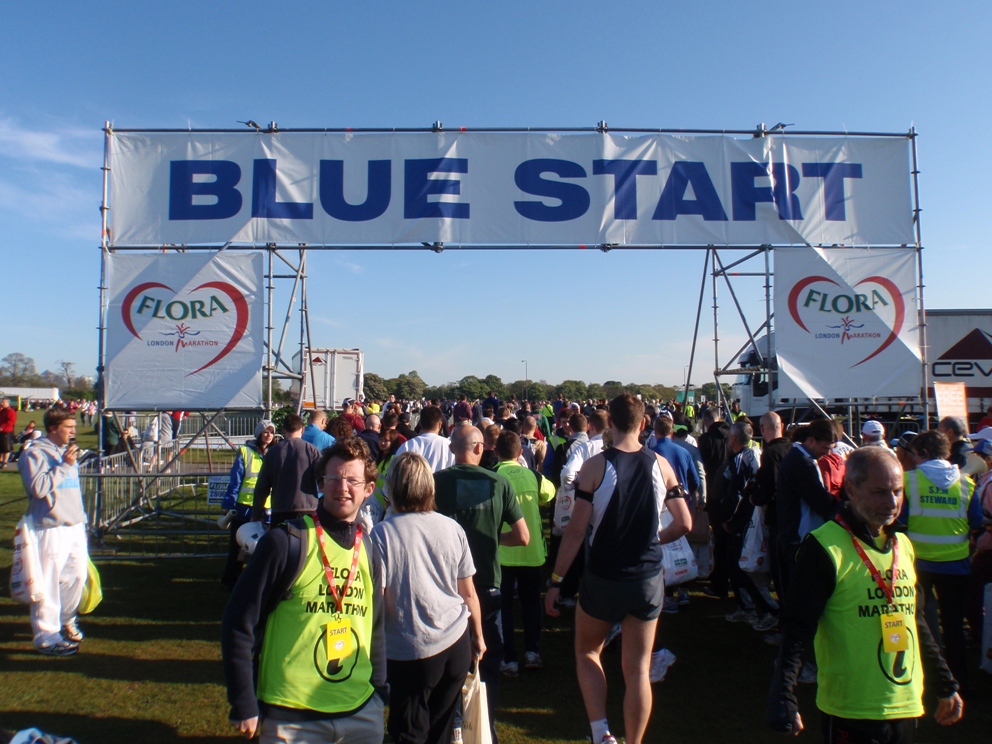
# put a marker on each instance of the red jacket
(8, 418)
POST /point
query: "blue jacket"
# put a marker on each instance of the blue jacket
(317, 437)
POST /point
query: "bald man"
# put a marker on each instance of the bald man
(315, 434)
(482, 502)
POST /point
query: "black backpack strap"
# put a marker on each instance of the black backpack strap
(296, 558)
(296, 530)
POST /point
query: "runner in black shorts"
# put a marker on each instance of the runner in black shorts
(620, 496)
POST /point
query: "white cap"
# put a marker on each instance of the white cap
(873, 428)
(985, 433)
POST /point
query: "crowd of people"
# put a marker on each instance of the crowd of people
(393, 547)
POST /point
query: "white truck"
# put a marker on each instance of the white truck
(960, 350)
(329, 376)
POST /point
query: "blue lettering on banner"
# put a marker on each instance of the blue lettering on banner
(673, 202)
(189, 180)
(332, 191)
(833, 175)
(574, 199)
(263, 196)
(785, 180)
(182, 189)
(625, 186)
(419, 186)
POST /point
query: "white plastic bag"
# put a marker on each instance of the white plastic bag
(677, 558)
(986, 663)
(25, 573)
(563, 510)
(475, 710)
(754, 556)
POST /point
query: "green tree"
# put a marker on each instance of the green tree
(612, 388)
(17, 370)
(572, 389)
(595, 390)
(494, 383)
(471, 386)
(409, 386)
(375, 387)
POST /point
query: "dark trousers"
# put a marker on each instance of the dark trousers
(572, 578)
(774, 560)
(740, 579)
(786, 567)
(952, 598)
(491, 604)
(981, 574)
(720, 577)
(525, 581)
(424, 694)
(849, 731)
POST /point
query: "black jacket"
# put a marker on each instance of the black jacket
(772, 455)
(371, 438)
(798, 482)
(254, 598)
(811, 587)
(287, 473)
(712, 446)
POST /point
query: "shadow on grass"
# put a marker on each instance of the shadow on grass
(119, 668)
(87, 730)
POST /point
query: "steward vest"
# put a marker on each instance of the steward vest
(294, 671)
(252, 460)
(856, 677)
(380, 481)
(938, 517)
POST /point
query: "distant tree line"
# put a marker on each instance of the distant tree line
(18, 370)
(410, 386)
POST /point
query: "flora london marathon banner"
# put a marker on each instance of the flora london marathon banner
(184, 331)
(517, 188)
(846, 323)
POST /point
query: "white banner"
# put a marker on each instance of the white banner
(184, 331)
(846, 323)
(523, 188)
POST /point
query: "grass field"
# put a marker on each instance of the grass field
(149, 670)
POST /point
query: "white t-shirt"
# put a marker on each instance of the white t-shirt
(423, 556)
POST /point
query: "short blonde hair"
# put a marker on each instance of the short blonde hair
(410, 483)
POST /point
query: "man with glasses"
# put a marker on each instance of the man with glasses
(320, 618)
(482, 501)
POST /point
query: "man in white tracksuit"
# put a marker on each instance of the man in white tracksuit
(51, 480)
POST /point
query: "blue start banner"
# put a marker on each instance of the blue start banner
(520, 188)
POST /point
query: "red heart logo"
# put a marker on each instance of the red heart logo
(854, 303)
(237, 299)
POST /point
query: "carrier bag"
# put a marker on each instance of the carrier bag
(677, 558)
(92, 590)
(754, 556)
(25, 572)
(475, 710)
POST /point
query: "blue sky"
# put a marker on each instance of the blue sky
(856, 66)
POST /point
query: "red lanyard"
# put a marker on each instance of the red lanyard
(871, 566)
(339, 598)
